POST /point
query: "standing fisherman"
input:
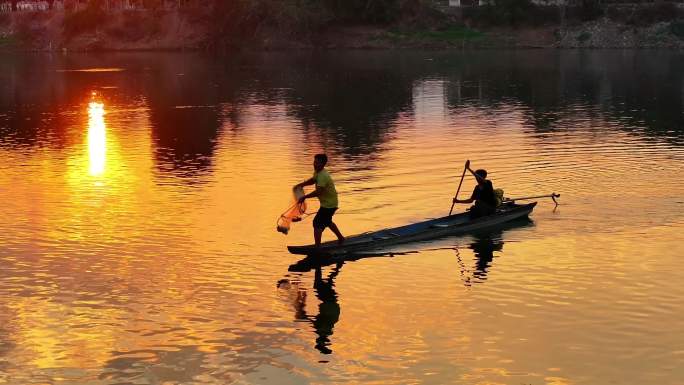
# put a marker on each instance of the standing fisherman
(327, 195)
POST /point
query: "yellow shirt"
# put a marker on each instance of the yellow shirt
(328, 196)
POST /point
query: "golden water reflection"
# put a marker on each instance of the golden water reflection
(97, 138)
(142, 248)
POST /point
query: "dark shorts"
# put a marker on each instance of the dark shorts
(323, 217)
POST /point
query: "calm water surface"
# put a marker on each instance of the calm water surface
(140, 194)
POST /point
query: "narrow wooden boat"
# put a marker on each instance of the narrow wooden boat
(434, 228)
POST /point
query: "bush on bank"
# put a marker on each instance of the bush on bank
(677, 28)
(218, 24)
(83, 21)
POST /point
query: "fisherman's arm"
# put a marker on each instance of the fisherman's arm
(318, 191)
(469, 200)
(307, 182)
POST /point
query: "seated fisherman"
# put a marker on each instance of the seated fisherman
(483, 195)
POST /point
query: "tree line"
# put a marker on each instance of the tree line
(362, 10)
(113, 4)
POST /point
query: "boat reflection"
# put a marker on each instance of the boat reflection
(328, 308)
(484, 245)
(483, 250)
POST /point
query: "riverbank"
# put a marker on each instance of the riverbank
(193, 29)
(126, 30)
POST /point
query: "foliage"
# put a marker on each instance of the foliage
(29, 27)
(5, 19)
(308, 14)
(153, 4)
(677, 28)
(583, 37)
(293, 16)
(654, 13)
(378, 11)
(7, 41)
(590, 10)
(234, 20)
(86, 20)
(512, 12)
(135, 26)
(451, 33)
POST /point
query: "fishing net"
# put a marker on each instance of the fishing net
(294, 213)
(499, 195)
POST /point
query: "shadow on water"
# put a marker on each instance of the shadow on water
(484, 247)
(328, 308)
(311, 262)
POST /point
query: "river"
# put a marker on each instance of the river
(140, 193)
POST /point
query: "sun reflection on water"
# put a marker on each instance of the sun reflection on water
(97, 139)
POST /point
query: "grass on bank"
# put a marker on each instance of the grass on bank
(8, 41)
(451, 34)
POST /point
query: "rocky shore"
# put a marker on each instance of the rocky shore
(608, 34)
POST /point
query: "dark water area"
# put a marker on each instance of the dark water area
(140, 193)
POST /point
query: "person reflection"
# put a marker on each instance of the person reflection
(484, 247)
(328, 309)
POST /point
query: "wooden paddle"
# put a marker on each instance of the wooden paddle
(467, 164)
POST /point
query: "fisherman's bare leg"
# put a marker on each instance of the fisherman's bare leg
(317, 235)
(340, 237)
